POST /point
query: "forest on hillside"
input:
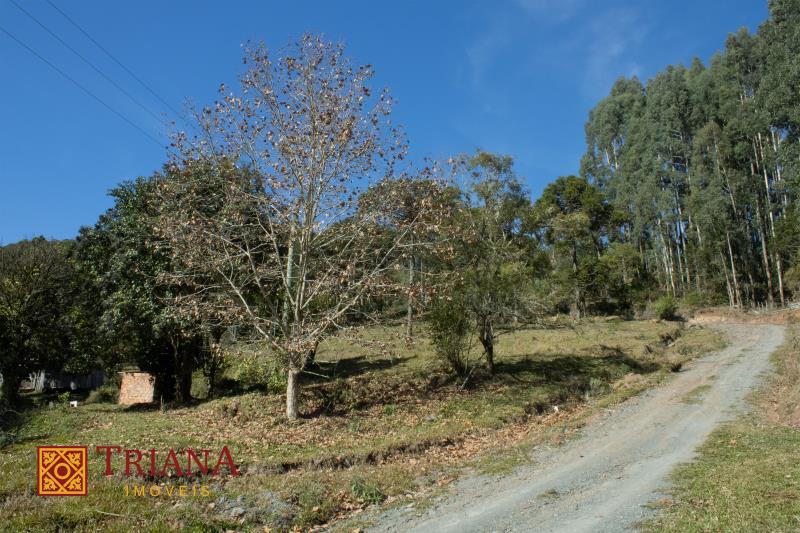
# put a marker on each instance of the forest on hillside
(703, 163)
(290, 211)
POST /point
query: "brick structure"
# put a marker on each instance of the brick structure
(136, 387)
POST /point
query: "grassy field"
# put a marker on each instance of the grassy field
(387, 426)
(747, 475)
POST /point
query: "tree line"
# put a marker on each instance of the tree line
(291, 211)
(703, 164)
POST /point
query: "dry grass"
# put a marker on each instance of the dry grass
(388, 424)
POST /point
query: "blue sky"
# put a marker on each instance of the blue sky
(511, 76)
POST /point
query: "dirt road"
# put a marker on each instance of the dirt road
(600, 481)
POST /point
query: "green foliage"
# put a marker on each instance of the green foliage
(121, 260)
(255, 368)
(697, 300)
(793, 277)
(63, 399)
(665, 307)
(107, 393)
(37, 303)
(450, 331)
(366, 492)
(571, 218)
(701, 165)
(492, 272)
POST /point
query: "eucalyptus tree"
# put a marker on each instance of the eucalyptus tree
(779, 38)
(705, 162)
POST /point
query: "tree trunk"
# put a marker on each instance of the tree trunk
(681, 244)
(487, 340)
(733, 271)
(182, 353)
(752, 297)
(184, 391)
(771, 217)
(765, 257)
(669, 268)
(410, 299)
(577, 288)
(779, 266)
(728, 286)
(289, 268)
(680, 258)
(10, 389)
(292, 390)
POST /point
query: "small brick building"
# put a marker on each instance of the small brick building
(136, 388)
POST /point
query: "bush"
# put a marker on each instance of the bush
(450, 333)
(253, 369)
(63, 399)
(200, 386)
(315, 505)
(368, 493)
(107, 393)
(695, 300)
(666, 308)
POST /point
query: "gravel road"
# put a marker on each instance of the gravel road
(600, 481)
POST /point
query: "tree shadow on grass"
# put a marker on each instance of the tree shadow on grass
(322, 371)
(566, 376)
(10, 437)
(338, 388)
(14, 419)
(554, 370)
(145, 407)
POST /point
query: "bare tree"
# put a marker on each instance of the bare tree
(273, 232)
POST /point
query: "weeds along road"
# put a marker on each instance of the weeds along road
(601, 481)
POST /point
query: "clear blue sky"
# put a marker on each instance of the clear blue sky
(512, 76)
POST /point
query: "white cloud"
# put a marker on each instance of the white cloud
(597, 46)
(611, 37)
(484, 50)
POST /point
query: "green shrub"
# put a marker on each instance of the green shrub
(666, 308)
(450, 333)
(63, 399)
(108, 393)
(694, 300)
(200, 385)
(368, 493)
(251, 369)
(315, 505)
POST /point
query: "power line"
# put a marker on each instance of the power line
(92, 65)
(113, 58)
(81, 87)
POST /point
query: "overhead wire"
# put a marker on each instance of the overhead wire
(92, 65)
(114, 58)
(80, 86)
